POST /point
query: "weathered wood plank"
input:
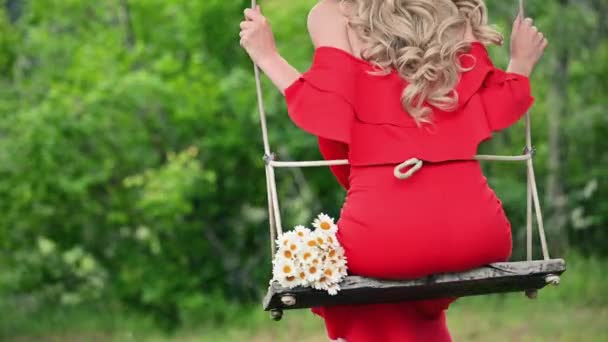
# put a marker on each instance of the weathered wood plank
(494, 278)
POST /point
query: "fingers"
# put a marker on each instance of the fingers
(253, 14)
(517, 22)
(246, 25)
(544, 44)
(527, 25)
(540, 37)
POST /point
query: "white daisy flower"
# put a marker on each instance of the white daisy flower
(285, 253)
(342, 271)
(295, 246)
(289, 282)
(290, 240)
(333, 289)
(306, 254)
(302, 277)
(339, 249)
(331, 273)
(315, 261)
(311, 241)
(285, 238)
(283, 268)
(321, 239)
(302, 232)
(313, 272)
(321, 283)
(332, 254)
(332, 241)
(325, 224)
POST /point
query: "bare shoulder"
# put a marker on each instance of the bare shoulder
(327, 25)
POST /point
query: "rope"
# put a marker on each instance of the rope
(337, 162)
(274, 215)
(529, 196)
(531, 188)
(533, 202)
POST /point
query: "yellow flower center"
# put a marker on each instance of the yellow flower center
(290, 278)
(330, 240)
(322, 279)
(325, 225)
(332, 253)
(302, 275)
(320, 240)
(286, 269)
(306, 255)
(312, 270)
(293, 247)
(328, 272)
(287, 254)
(311, 243)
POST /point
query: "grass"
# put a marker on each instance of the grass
(575, 311)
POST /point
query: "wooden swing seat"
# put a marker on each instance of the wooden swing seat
(528, 276)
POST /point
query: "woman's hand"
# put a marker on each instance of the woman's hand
(527, 46)
(256, 36)
(258, 41)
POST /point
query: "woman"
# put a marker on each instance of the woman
(406, 91)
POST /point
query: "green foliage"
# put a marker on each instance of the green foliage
(557, 314)
(130, 156)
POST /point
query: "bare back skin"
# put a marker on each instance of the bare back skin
(328, 26)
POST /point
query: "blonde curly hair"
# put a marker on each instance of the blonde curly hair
(421, 40)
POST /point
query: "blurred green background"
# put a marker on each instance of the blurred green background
(132, 194)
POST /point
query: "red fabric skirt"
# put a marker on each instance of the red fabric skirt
(445, 218)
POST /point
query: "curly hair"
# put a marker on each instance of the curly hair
(422, 40)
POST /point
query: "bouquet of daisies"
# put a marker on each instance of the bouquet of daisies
(310, 258)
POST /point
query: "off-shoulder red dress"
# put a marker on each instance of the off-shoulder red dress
(443, 218)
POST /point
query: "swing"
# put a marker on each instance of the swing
(528, 276)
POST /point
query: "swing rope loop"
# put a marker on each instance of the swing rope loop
(415, 163)
(533, 202)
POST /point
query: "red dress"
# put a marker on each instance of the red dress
(444, 218)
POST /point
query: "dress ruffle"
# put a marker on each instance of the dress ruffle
(340, 98)
(321, 100)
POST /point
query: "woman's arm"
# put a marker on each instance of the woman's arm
(327, 26)
(258, 41)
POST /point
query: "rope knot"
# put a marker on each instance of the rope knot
(529, 151)
(268, 158)
(415, 164)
